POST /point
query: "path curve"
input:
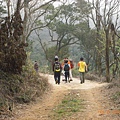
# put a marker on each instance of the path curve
(89, 91)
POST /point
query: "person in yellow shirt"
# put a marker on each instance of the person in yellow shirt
(82, 69)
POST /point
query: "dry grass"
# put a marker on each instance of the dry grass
(94, 77)
(112, 91)
(22, 88)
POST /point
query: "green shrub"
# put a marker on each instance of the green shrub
(75, 72)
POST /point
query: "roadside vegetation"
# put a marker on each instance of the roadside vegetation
(20, 88)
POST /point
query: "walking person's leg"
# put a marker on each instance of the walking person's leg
(55, 77)
(70, 74)
(65, 76)
(81, 77)
(58, 77)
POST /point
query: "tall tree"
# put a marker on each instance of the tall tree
(34, 10)
(12, 53)
(62, 30)
(106, 15)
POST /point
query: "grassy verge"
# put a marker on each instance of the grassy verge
(20, 88)
(71, 104)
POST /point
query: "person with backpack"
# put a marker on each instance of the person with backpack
(82, 69)
(63, 72)
(57, 68)
(66, 69)
(36, 66)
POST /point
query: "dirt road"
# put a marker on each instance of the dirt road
(97, 105)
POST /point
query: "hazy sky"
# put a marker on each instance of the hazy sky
(57, 3)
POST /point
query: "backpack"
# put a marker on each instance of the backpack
(57, 67)
(66, 67)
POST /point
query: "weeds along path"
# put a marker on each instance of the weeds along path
(95, 103)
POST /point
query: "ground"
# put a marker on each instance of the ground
(97, 106)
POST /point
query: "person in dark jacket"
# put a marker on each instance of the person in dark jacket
(57, 68)
(36, 66)
(66, 68)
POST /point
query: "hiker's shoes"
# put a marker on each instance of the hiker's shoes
(71, 80)
(56, 81)
(82, 82)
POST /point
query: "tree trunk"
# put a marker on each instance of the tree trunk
(25, 21)
(98, 26)
(107, 56)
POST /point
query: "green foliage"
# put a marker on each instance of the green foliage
(62, 28)
(84, 6)
(49, 6)
(64, 21)
(62, 53)
(75, 72)
(37, 54)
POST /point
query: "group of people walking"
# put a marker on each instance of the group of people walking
(67, 67)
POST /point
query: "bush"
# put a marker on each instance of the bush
(20, 88)
(75, 72)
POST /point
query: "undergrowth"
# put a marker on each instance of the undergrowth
(20, 88)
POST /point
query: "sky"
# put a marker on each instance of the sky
(58, 2)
